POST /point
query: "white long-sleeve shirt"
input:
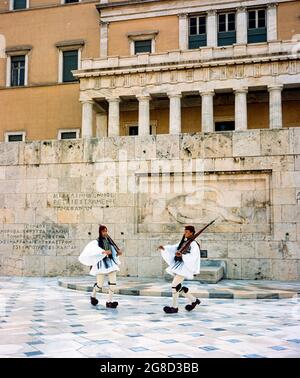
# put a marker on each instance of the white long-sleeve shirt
(101, 264)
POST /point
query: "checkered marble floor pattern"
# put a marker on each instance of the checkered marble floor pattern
(40, 319)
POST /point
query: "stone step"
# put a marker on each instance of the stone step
(210, 274)
(225, 289)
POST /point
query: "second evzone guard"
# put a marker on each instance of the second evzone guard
(102, 255)
(181, 266)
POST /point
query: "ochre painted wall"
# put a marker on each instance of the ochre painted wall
(42, 29)
(4, 4)
(43, 108)
(166, 39)
(288, 20)
(291, 113)
(258, 115)
(40, 111)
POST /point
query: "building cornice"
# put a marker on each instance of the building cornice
(121, 11)
(125, 3)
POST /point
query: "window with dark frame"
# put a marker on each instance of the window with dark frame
(17, 74)
(197, 32)
(15, 138)
(143, 46)
(68, 135)
(19, 4)
(134, 130)
(257, 26)
(71, 1)
(70, 62)
(226, 29)
(224, 125)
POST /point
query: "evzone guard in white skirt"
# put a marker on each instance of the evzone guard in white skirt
(182, 266)
(102, 255)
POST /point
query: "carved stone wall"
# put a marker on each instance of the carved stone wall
(54, 194)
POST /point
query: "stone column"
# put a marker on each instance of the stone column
(144, 115)
(103, 39)
(87, 119)
(212, 32)
(175, 114)
(241, 122)
(183, 31)
(101, 125)
(207, 111)
(275, 106)
(113, 116)
(241, 26)
(272, 22)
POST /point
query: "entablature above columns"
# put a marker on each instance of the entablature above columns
(174, 82)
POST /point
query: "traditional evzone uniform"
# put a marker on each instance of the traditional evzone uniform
(101, 264)
(182, 267)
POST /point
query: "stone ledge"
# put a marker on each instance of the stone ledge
(227, 289)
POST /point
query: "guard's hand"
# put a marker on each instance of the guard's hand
(119, 253)
(106, 253)
(161, 247)
(178, 254)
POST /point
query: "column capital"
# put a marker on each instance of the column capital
(211, 12)
(182, 15)
(240, 90)
(275, 87)
(143, 97)
(207, 93)
(176, 95)
(87, 101)
(272, 5)
(103, 23)
(113, 99)
(241, 9)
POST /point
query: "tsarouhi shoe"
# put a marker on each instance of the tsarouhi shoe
(112, 304)
(191, 307)
(94, 301)
(170, 310)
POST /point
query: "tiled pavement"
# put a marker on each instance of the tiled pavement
(40, 319)
(231, 289)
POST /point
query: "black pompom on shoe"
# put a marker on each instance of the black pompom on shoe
(170, 310)
(94, 301)
(112, 304)
(191, 307)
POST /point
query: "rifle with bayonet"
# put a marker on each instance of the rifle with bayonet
(185, 246)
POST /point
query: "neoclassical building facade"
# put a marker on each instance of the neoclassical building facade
(192, 66)
(143, 67)
(180, 112)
